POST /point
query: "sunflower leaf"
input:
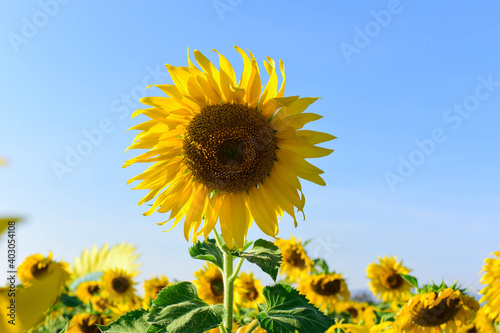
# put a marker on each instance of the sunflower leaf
(382, 316)
(131, 322)
(411, 279)
(288, 311)
(207, 250)
(71, 301)
(264, 254)
(178, 309)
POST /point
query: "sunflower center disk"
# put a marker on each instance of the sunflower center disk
(329, 288)
(437, 315)
(295, 260)
(394, 281)
(39, 270)
(229, 147)
(120, 284)
(217, 287)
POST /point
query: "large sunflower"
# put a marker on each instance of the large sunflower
(226, 150)
(491, 293)
(436, 311)
(295, 259)
(324, 290)
(210, 284)
(385, 281)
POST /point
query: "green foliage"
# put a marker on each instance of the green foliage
(178, 309)
(288, 311)
(381, 316)
(71, 301)
(264, 254)
(207, 250)
(131, 322)
(410, 279)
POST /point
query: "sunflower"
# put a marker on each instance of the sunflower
(491, 293)
(248, 291)
(153, 286)
(86, 323)
(324, 290)
(435, 311)
(37, 267)
(481, 324)
(385, 281)
(295, 259)
(210, 284)
(121, 256)
(226, 151)
(118, 285)
(359, 312)
(86, 290)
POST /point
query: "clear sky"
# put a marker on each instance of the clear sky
(410, 88)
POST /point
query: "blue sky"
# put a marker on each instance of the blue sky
(410, 88)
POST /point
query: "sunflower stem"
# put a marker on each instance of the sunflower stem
(228, 291)
(253, 327)
(236, 271)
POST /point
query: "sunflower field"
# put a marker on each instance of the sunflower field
(225, 153)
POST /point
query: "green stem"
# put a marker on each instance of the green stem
(253, 327)
(236, 271)
(228, 291)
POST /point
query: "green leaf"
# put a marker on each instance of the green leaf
(179, 309)
(207, 250)
(288, 311)
(411, 279)
(131, 322)
(264, 254)
(64, 329)
(71, 301)
(381, 316)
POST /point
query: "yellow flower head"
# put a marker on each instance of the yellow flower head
(248, 291)
(295, 259)
(385, 281)
(436, 311)
(37, 267)
(226, 150)
(153, 286)
(118, 285)
(360, 312)
(210, 284)
(324, 290)
(86, 290)
(86, 323)
(491, 293)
